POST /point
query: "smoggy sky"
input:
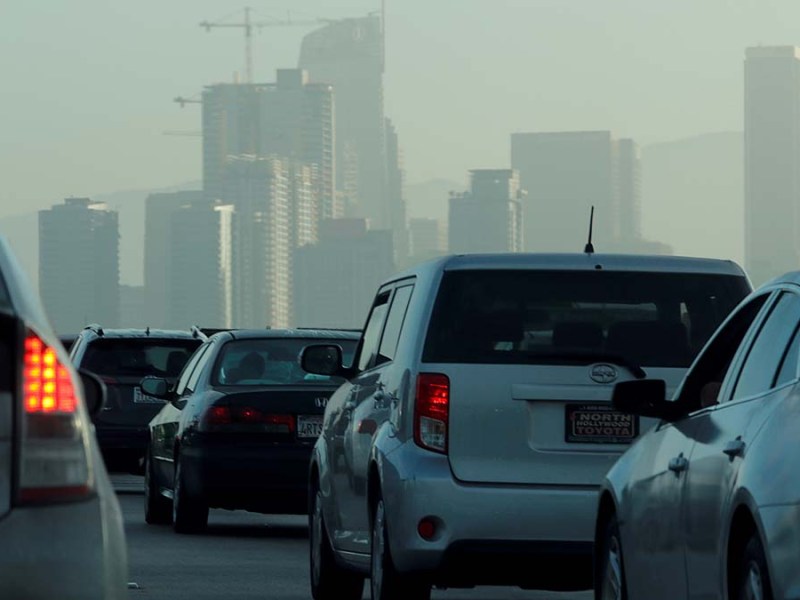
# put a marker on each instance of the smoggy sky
(88, 85)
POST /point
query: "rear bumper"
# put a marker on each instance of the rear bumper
(266, 478)
(526, 535)
(80, 546)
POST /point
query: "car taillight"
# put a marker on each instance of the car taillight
(431, 411)
(54, 465)
(247, 416)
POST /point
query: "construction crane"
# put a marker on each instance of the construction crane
(184, 101)
(248, 25)
(185, 133)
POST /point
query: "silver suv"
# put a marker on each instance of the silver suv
(469, 442)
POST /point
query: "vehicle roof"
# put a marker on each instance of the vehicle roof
(577, 262)
(154, 334)
(793, 277)
(325, 334)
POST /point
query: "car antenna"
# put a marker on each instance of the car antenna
(589, 249)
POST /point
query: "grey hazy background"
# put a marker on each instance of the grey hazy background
(87, 89)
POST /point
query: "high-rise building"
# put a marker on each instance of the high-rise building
(159, 209)
(258, 189)
(200, 259)
(488, 218)
(79, 264)
(427, 239)
(291, 119)
(628, 207)
(565, 174)
(336, 279)
(132, 305)
(396, 198)
(772, 161)
(349, 54)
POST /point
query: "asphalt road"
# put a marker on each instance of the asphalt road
(241, 556)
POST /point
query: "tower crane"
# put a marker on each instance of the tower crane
(248, 25)
(184, 101)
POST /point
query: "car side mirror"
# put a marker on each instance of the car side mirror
(156, 387)
(646, 398)
(322, 359)
(94, 392)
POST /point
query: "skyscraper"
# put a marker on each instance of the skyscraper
(258, 188)
(395, 195)
(427, 239)
(772, 161)
(159, 209)
(336, 279)
(488, 218)
(349, 55)
(79, 264)
(200, 262)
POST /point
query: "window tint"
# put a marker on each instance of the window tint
(763, 359)
(187, 372)
(788, 369)
(138, 357)
(191, 385)
(577, 317)
(394, 323)
(273, 361)
(372, 332)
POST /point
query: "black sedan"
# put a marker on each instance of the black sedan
(238, 428)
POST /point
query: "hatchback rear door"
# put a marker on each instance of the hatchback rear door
(532, 357)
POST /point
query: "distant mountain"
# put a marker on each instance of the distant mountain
(693, 195)
(428, 199)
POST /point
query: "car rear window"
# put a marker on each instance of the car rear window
(138, 357)
(272, 361)
(577, 317)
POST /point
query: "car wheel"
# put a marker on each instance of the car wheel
(328, 580)
(189, 515)
(385, 582)
(610, 580)
(753, 575)
(157, 508)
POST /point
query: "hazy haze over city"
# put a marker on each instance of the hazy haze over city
(89, 88)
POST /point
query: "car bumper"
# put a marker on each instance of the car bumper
(524, 535)
(265, 478)
(781, 528)
(80, 546)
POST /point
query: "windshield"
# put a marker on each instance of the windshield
(568, 317)
(138, 357)
(272, 362)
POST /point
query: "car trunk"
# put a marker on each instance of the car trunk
(515, 424)
(126, 405)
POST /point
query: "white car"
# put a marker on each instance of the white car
(707, 503)
(60, 522)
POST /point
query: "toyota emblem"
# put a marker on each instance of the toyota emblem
(603, 373)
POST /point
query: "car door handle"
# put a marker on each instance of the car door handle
(678, 464)
(734, 448)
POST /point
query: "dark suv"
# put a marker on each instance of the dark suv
(122, 357)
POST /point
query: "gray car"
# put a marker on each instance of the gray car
(60, 522)
(707, 504)
(469, 442)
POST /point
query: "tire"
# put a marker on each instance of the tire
(189, 515)
(752, 577)
(157, 508)
(329, 581)
(385, 581)
(610, 575)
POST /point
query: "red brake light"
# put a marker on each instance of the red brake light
(247, 415)
(47, 384)
(432, 411)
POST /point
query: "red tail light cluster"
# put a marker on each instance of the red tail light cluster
(47, 384)
(432, 411)
(222, 415)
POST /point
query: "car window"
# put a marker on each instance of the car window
(394, 324)
(188, 371)
(576, 317)
(703, 382)
(788, 369)
(757, 374)
(191, 385)
(138, 357)
(372, 332)
(272, 361)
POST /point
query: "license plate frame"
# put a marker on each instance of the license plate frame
(306, 423)
(610, 427)
(139, 397)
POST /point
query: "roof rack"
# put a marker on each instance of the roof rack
(96, 328)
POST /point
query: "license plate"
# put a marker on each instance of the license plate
(599, 424)
(139, 397)
(309, 426)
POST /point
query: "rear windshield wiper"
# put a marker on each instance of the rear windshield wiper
(586, 357)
